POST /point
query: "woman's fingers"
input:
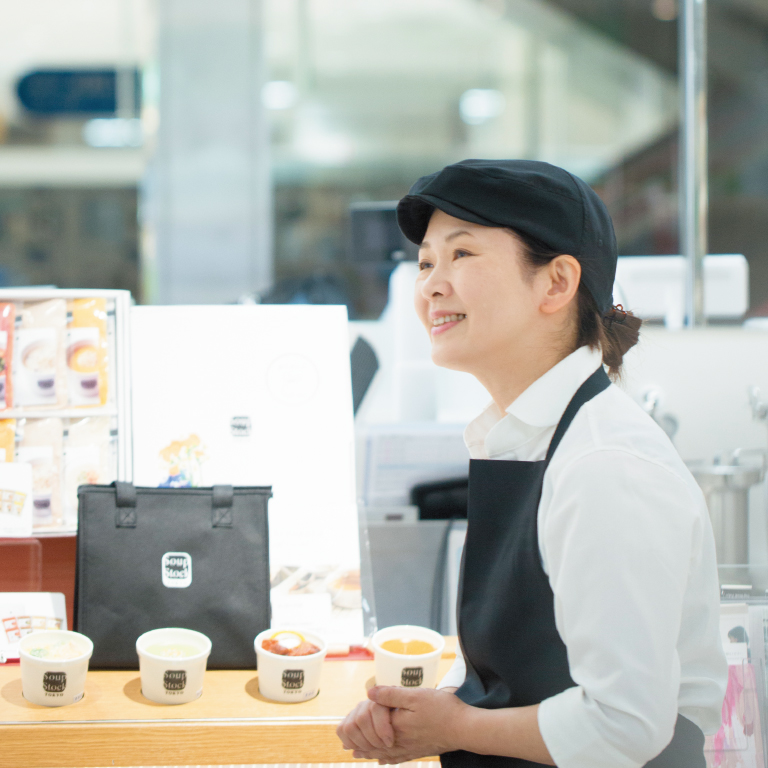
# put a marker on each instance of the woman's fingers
(382, 724)
(355, 738)
(369, 725)
(349, 731)
(366, 728)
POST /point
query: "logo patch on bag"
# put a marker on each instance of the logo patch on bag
(54, 682)
(412, 677)
(175, 680)
(293, 678)
(177, 569)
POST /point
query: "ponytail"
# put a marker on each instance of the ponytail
(614, 332)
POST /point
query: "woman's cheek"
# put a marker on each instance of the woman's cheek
(421, 305)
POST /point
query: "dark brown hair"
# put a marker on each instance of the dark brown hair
(615, 333)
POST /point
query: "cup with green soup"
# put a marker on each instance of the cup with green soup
(54, 664)
(172, 664)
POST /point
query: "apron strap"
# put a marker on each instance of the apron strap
(594, 385)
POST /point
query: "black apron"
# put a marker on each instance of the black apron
(506, 617)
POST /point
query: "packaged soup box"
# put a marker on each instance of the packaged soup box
(39, 365)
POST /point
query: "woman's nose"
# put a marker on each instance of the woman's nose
(436, 284)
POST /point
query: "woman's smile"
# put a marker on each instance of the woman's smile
(444, 322)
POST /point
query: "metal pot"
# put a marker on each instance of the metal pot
(726, 488)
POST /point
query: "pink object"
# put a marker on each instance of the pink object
(738, 743)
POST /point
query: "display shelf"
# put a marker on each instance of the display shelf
(55, 533)
(230, 724)
(114, 460)
(58, 413)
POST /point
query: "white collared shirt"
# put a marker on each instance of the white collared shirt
(626, 541)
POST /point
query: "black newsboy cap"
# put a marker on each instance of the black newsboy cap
(534, 198)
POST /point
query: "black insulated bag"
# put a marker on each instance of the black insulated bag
(196, 558)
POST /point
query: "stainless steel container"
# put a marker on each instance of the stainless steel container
(726, 488)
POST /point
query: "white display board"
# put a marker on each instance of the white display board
(260, 395)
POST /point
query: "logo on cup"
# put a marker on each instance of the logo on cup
(293, 678)
(412, 677)
(177, 569)
(54, 682)
(175, 680)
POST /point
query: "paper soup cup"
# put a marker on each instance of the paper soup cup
(172, 680)
(289, 678)
(408, 671)
(54, 682)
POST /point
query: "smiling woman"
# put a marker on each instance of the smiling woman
(573, 652)
(481, 273)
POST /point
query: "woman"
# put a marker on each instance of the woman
(588, 610)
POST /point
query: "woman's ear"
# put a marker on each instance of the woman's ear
(561, 282)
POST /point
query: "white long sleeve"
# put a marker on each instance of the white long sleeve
(622, 535)
(455, 676)
(626, 542)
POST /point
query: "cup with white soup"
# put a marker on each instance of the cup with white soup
(407, 656)
(54, 664)
(172, 664)
(290, 664)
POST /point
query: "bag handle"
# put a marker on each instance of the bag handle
(223, 497)
(125, 498)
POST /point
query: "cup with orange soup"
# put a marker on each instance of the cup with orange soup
(407, 656)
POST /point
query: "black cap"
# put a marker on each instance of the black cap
(530, 197)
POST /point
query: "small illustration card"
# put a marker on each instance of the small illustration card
(24, 612)
(15, 500)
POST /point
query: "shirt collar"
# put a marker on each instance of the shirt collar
(545, 401)
(536, 409)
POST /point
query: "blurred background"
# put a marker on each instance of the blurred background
(194, 151)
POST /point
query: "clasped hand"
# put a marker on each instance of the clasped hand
(400, 724)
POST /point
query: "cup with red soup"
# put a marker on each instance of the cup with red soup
(289, 664)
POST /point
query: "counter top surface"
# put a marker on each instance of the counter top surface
(230, 723)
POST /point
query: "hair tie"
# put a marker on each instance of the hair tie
(615, 314)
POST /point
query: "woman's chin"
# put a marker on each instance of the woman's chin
(451, 359)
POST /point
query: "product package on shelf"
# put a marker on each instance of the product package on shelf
(89, 459)
(7, 439)
(87, 352)
(39, 365)
(7, 333)
(41, 445)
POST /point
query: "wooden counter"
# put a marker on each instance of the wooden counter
(231, 723)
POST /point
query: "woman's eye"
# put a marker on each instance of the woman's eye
(424, 265)
(459, 254)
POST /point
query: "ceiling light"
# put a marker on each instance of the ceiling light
(479, 105)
